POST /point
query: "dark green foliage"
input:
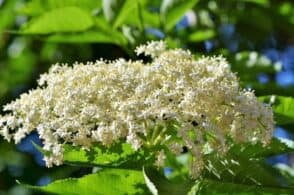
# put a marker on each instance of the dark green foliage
(217, 187)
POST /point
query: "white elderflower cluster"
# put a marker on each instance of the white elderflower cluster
(174, 101)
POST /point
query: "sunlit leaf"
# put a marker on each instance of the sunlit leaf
(201, 35)
(38, 7)
(287, 171)
(5, 15)
(129, 10)
(119, 154)
(111, 8)
(158, 184)
(122, 12)
(283, 108)
(98, 155)
(106, 181)
(264, 3)
(67, 19)
(84, 37)
(172, 10)
(240, 170)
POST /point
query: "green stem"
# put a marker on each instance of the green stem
(159, 136)
(154, 133)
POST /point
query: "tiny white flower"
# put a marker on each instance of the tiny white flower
(107, 102)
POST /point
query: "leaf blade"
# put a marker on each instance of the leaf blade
(98, 155)
(62, 20)
(171, 11)
(201, 35)
(158, 184)
(84, 37)
(216, 187)
(283, 108)
(106, 181)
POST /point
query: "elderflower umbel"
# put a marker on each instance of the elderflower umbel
(106, 102)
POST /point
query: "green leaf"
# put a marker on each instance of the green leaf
(104, 182)
(119, 12)
(85, 37)
(67, 19)
(111, 9)
(201, 35)
(6, 16)
(244, 163)
(37, 7)
(287, 171)
(289, 143)
(264, 3)
(119, 154)
(106, 28)
(283, 108)
(99, 154)
(240, 170)
(129, 10)
(150, 19)
(40, 149)
(158, 184)
(275, 147)
(265, 89)
(152, 188)
(172, 10)
(207, 186)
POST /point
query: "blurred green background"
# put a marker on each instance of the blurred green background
(256, 36)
